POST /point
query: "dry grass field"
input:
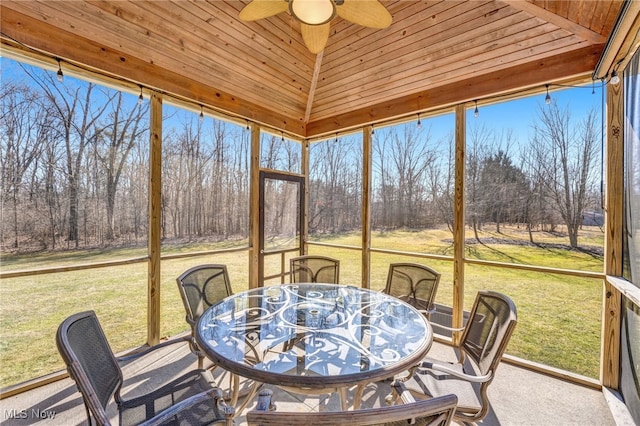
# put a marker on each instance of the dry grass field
(559, 315)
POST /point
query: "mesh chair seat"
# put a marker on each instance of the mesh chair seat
(434, 384)
(139, 409)
(191, 399)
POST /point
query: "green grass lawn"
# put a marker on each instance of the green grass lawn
(559, 316)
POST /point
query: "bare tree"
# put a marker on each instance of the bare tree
(568, 154)
(504, 188)
(25, 125)
(76, 114)
(205, 179)
(537, 210)
(411, 155)
(441, 180)
(197, 153)
(403, 162)
(172, 173)
(331, 183)
(481, 143)
(120, 135)
(55, 204)
(135, 190)
(384, 191)
(240, 177)
(80, 170)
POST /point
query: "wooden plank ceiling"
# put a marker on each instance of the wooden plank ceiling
(434, 53)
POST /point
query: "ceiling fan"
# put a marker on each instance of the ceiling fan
(315, 16)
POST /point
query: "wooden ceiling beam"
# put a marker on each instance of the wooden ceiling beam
(539, 72)
(314, 84)
(53, 41)
(559, 21)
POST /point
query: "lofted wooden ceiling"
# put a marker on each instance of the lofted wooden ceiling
(434, 53)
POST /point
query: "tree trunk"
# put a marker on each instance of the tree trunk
(73, 211)
(111, 202)
(15, 216)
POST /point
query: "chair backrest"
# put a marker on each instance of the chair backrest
(202, 286)
(491, 322)
(433, 412)
(315, 269)
(413, 283)
(90, 362)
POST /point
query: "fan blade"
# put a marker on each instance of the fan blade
(315, 36)
(259, 9)
(368, 13)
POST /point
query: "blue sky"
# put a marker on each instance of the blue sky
(520, 114)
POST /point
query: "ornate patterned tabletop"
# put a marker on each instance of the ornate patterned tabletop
(314, 336)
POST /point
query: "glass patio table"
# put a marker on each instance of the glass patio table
(314, 338)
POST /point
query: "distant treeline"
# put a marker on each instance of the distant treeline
(74, 160)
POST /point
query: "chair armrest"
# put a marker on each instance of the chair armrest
(429, 312)
(213, 394)
(425, 366)
(400, 390)
(452, 329)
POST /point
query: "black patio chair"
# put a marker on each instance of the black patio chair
(191, 399)
(200, 287)
(315, 269)
(415, 284)
(484, 340)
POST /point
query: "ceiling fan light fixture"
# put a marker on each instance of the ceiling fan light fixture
(313, 12)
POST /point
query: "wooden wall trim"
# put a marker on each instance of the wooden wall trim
(71, 268)
(155, 229)
(110, 263)
(366, 205)
(614, 208)
(459, 220)
(610, 340)
(304, 226)
(626, 289)
(552, 372)
(534, 268)
(254, 208)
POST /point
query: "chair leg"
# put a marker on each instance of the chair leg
(234, 385)
(343, 398)
(357, 399)
(200, 362)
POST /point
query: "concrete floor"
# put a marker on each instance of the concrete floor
(518, 396)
